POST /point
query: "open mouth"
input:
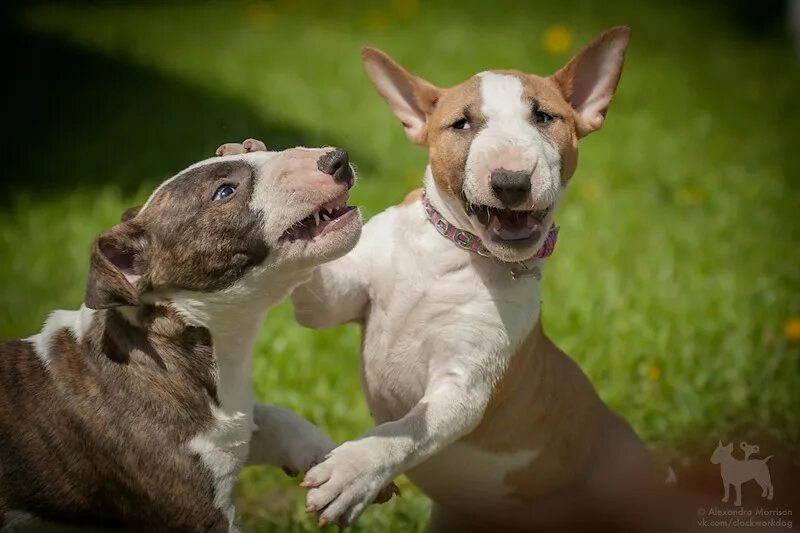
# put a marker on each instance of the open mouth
(324, 219)
(510, 225)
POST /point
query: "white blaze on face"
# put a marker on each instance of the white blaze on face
(510, 141)
(281, 203)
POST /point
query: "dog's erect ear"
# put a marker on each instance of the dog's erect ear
(412, 99)
(114, 268)
(130, 213)
(589, 80)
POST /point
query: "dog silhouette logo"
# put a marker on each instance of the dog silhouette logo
(737, 471)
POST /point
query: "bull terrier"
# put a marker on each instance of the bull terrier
(137, 410)
(500, 428)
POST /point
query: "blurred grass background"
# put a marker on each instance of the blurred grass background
(676, 283)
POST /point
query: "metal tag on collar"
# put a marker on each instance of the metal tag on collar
(482, 251)
(524, 271)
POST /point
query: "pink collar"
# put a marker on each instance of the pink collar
(471, 242)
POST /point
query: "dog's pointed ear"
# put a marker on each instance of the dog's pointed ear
(729, 446)
(719, 444)
(130, 213)
(589, 80)
(411, 98)
(115, 267)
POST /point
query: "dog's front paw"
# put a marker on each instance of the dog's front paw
(343, 485)
(286, 440)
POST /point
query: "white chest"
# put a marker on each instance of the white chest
(223, 451)
(427, 297)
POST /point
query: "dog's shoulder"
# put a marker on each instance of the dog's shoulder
(74, 323)
(74, 386)
(17, 351)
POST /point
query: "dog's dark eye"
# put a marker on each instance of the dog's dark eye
(461, 124)
(223, 192)
(540, 117)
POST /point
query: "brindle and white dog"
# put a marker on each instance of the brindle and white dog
(137, 409)
(474, 402)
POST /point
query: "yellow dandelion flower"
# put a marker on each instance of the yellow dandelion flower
(557, 39)
(653, 373)
(792, 329)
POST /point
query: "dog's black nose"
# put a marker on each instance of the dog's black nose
(337, 164)
(511, 187)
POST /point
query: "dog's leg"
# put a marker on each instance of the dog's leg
(286, 440)
(726, 496)
(738, 501)
(765, 483)
(452, 406)
(335, 294)
(763, 487)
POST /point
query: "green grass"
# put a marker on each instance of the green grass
(678, 264)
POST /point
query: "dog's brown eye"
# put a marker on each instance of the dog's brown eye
(540, 117)
(461, 124)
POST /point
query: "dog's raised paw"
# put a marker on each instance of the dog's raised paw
(254, 145)
(230, 149)
(249, 145)
(345, 483)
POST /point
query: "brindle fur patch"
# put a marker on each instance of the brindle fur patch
(197, 244)
(181, 240)
(100, 436)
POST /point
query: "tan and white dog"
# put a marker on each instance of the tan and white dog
(473, 401)
(137, 410)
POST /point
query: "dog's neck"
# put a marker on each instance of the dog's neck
(150, 343)
(234, 318)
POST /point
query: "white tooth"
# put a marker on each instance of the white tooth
(325, 217)
(316, 217)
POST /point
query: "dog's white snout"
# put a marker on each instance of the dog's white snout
(509, 155)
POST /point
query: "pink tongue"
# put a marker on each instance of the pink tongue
(512, 232)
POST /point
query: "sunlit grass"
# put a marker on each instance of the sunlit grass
(677, 273)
